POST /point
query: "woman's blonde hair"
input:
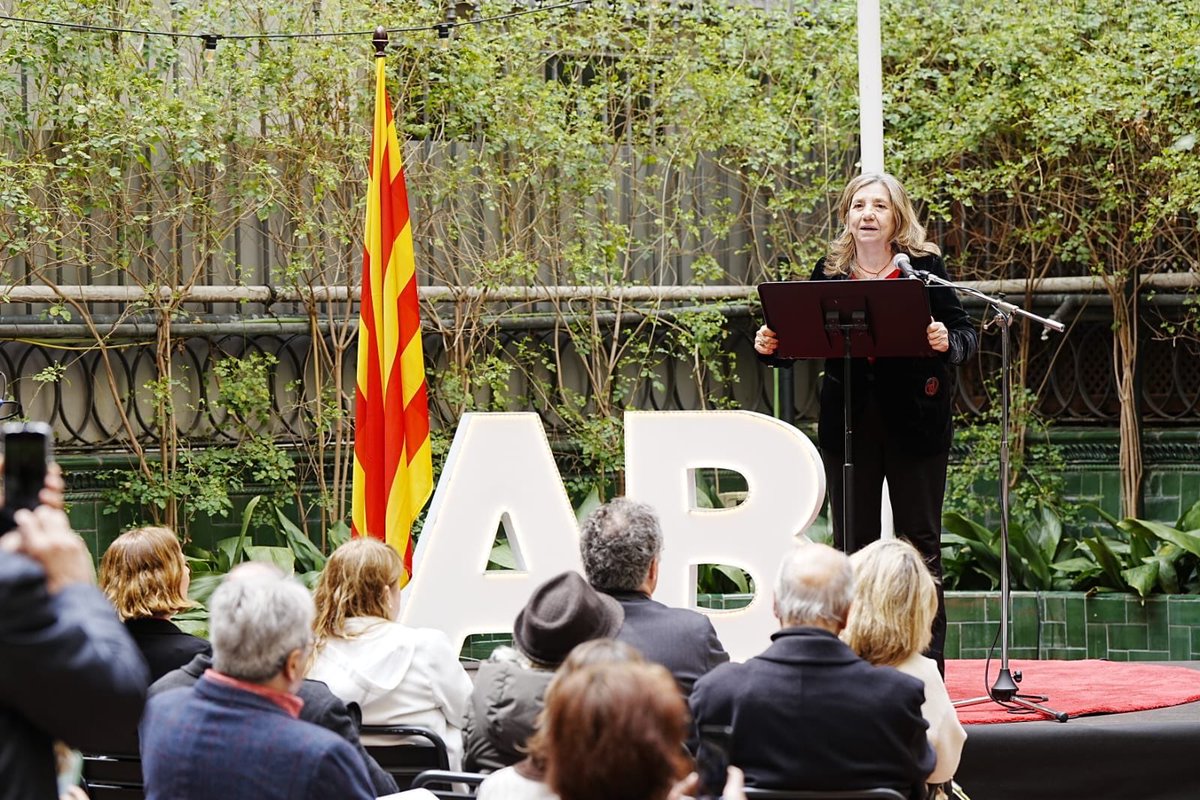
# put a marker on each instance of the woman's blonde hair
(895, 601)
(356, 582)
(909, 236)
(142, 574)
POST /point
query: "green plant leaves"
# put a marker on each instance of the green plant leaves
(1190, 521)
(1118, 556)
(281, 557)
(1127, 555)
(305, 552)
(1142, 578)
(501, 556)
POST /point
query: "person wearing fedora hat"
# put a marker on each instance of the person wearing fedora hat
(562, 612)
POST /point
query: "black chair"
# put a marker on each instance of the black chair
(424, 750)
(819, 794)
(431, 778)
(111, 776)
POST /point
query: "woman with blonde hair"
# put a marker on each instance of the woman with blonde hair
(895, 600)
(901, 406)
(396, 674)
(146, 578)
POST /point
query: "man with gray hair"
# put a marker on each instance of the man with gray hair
(235, 734)
(808, 713)
(621, 543)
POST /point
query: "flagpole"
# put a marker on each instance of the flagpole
(380, 40)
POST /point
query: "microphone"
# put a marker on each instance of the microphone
(902, 263)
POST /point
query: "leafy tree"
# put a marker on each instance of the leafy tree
(1058, 138)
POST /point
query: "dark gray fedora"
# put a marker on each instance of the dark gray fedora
(563, 612)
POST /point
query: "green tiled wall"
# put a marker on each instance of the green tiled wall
(1091, 455)
(480, 646)
(1073, 625)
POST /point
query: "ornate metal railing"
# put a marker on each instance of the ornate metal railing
(82, 391)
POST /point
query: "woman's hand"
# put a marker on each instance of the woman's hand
(938, 335)
(765, 341)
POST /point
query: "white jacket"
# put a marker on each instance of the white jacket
(398, 676)
(946, 733)
(508, 784)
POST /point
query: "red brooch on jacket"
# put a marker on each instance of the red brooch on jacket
(931, 387)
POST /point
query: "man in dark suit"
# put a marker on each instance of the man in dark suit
(321, 707)
(808, 713)
(261, 630)
(621, 542)
(68, 669)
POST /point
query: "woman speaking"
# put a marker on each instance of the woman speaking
(901, 406)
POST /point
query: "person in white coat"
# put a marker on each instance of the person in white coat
(895, 600)
(397, 675)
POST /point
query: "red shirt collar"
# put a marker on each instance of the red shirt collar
(289, 702)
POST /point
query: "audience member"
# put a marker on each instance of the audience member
(895, 600)
(562, 612)
(396, 674)
(320, 707)
(236, 733)
(68, 668)
(621, 544)
(526, 780)
(617, 730)
(808, 713)
(144, 574)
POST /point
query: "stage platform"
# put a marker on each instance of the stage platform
(1139, 755)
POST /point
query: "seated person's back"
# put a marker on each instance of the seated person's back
(895, 601)
(621, 543)
(235, 734)
(144, 574)
(321, 708)
(509, 694)
(808, 713)
(397, 675)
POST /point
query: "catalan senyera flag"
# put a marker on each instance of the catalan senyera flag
(393, 466)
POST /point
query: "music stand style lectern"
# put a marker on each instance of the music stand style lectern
(848, 319)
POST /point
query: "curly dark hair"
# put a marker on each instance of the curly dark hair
(619, 541)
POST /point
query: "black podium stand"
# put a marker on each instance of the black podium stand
(848, 319)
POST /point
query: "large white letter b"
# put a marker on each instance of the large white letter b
(786, 483)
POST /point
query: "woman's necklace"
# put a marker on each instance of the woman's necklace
(872, 273)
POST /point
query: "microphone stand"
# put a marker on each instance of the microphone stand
(1004, 690)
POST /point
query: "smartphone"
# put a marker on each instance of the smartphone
(27, 453)
(712, 759)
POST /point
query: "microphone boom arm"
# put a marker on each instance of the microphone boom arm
(1002, 306)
